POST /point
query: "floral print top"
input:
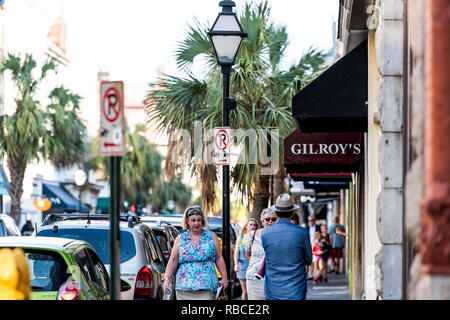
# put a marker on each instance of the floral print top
(197, 270)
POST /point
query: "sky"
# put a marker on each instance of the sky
(137, 37)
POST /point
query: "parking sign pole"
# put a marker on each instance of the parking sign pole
(114, 235)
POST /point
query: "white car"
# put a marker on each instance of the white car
(156, 219)
(141, 260)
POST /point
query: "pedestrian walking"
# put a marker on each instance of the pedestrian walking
(27, 228)
(311, 228)
(255, 254)
(195, 251)
(317, 257)
(295, 219)
(240, 259)
(337, 232)
(288, 254)
(326, 243)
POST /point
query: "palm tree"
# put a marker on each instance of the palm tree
(32, 132)
(262, 88)
(140, 166)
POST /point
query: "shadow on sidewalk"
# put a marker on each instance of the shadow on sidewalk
(335, 289)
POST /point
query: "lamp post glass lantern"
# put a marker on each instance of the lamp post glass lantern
(80, 180)
(226, 36)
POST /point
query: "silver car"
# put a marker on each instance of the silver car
(141, 260)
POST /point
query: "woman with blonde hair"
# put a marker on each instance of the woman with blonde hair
(240, 259)
(195, 251)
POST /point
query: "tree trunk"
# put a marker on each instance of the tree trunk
(279, 185)
(17, 167)
(261, 196)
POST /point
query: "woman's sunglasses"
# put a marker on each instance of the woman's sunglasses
(194, 211)
(271, 219)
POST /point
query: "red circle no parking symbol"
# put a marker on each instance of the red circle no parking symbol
(111, 104)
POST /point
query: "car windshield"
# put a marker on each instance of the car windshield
(48, 270)
(99, 240)
(2, 230)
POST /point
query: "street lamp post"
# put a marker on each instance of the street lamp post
(80, 180)
(226, 36)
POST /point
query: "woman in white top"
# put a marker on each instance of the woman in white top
(255, 254)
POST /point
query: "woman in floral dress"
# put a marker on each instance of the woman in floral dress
(195, 251)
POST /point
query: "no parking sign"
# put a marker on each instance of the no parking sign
(112, 121)
(222, 140)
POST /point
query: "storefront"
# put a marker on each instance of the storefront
(327, 151)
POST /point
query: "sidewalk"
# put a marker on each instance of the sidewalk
(335, 289)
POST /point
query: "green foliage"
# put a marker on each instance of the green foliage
(140, 166)
(140, 171)
(174, 190)
(66, 138)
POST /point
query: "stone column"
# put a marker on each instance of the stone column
(389, 56)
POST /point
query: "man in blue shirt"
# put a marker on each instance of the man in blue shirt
(288, 255)
(337, 232)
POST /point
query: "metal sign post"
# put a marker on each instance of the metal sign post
(112, 144)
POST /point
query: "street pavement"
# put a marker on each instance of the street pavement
(335, 289)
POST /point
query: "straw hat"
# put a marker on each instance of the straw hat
(284, 204)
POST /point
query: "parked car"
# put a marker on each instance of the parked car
(8, 226)
(166, 234)
(141, 260)
(175, 220)
(62, 269)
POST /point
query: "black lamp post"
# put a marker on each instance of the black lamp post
(226, 35)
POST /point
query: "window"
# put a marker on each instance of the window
(99, 239)
(48, 270)
(157, 248)
(151, 246)
(84, 263)
(101, 275)
(162, 240)
(146, 247)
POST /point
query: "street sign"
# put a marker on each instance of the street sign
(222, 141)
(112, 121)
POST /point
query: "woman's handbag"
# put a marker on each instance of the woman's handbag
(260, 274)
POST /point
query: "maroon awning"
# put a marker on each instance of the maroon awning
(323, 152)
(326, 176)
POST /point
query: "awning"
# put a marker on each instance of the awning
(102, 205)
(326, 186)
(62, 201)
(336, 101)
(326, 176)
(4, 183)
